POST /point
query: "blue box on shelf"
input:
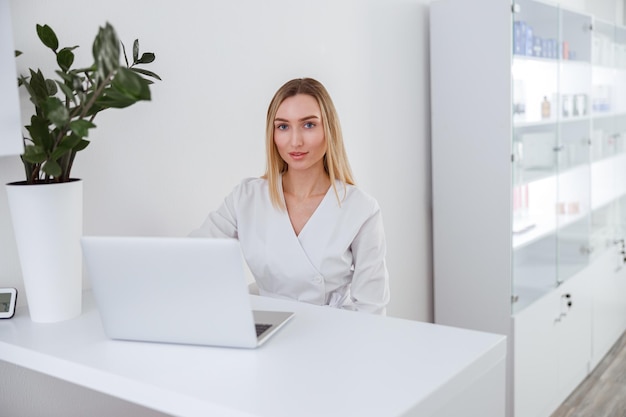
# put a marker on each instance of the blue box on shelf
(537, 46)
(519, 37)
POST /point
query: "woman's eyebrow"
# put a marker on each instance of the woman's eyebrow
(279, 119)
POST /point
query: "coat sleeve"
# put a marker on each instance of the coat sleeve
(370, 282)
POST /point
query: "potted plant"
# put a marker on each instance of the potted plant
(46, 207)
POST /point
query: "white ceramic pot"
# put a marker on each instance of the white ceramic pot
(48, 225)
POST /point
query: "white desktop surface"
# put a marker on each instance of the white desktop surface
(324, 362)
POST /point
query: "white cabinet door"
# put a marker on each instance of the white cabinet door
(535, 357)
(552, 347)
(609, 314)
(617, 282)
(574, 332)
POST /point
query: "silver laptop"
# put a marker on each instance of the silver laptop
(175, 290)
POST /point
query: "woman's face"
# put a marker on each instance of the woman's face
(299, 133)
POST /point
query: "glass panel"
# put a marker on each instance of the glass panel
(574, 188)
(620, 218)
(535, 71)
(618, 135)
(608, 133)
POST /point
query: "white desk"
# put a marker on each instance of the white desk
(325, 362)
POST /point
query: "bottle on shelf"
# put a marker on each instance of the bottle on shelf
(545, 108)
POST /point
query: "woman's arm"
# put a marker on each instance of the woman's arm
(370, 282)
(221, 223)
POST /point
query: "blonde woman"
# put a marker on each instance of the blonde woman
(306, 231)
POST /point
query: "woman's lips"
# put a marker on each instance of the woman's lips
(297, 155)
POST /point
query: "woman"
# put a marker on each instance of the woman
(306, 232)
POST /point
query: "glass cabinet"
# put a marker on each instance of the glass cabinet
(551, 93)
(608, 153)
(528, 122)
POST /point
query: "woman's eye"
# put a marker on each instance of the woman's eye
(309, 125)
(281, 126)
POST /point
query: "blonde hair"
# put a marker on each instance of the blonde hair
(336, 162)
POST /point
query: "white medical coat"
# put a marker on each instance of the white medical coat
(338, 259)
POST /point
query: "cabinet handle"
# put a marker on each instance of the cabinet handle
(568, 298)
(558, 148)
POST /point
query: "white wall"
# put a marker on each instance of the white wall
(10, 128)
(158, 168)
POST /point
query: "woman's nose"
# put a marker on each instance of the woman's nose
(296, 137)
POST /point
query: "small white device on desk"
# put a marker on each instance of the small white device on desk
(8, 299)
(176, 290)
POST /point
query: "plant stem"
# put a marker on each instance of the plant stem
(97, 93)
(65, 129)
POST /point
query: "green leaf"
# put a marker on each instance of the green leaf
(70, 141)
(126, 89)
(38, 89)
(115, 99)
(135, 50)
(124, 53)
(132, 84)
(48, 37)
(52, 168)
(51, 87)
(81, 145)
(67, 92)
(34, 154)
(106, 52)
(39, 132)
(56, 112)
(81, 127)
(67, 77)
(59, 152)
(23, 81)
(146, 58)
(65, 59)
(146, 72)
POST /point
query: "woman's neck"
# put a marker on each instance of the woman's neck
(305, 184)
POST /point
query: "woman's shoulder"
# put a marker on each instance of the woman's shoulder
(357, 196)
(251, 186)
(253, 182)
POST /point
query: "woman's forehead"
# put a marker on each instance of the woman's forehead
(298, 106)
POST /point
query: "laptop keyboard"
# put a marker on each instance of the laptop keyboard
(261, 328)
